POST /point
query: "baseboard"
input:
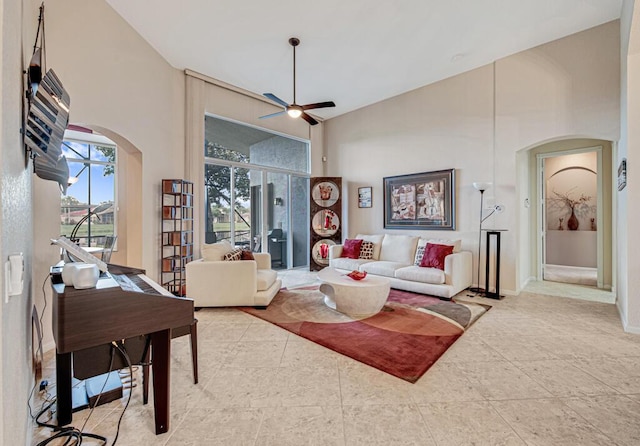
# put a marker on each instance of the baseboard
(625, 323)
(631, 329)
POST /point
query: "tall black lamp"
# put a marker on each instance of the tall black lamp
(481, 187)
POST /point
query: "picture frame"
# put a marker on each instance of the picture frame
(420, 201)
(622, 174)
(365, 197)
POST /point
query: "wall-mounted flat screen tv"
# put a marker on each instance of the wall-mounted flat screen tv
(47, 119)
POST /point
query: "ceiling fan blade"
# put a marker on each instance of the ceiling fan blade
(275, 98)
(273, 114)
(319, 105)
(308, 118)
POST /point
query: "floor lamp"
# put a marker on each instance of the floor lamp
(481, 187)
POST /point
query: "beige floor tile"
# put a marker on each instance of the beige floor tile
(218, 427)
(264, 331)
(300, 352)
(241, 387)
(549, 422)
(514, 348)
(294, 426)
(222, 332)
(385, 425)
(501, 380)
(571, 347)
(469, 423)
(307, 386)
(623, 374)
(617, 416)
(137, 426)
(468, 349)
(443, 382)
(361, 385)
(561, 378)
(257, 354)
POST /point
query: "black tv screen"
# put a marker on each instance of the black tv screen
(47, 119)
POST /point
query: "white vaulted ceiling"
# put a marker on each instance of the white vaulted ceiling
(354, 52)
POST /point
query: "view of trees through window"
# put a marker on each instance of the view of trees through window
(87, 212)
(219, 200)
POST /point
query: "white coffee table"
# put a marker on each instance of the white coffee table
(353, 297)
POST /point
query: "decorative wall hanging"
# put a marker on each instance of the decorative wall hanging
(326, 225)
(420, 201)
(364, 197)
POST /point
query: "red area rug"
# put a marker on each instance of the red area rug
(404, 339)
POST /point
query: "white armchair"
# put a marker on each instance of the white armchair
(220, 283)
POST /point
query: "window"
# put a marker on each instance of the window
(256, 189)
(88, 211)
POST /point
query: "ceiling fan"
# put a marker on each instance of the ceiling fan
(294, 110)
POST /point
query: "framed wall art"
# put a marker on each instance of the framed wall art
(364, 197)
(420, 201)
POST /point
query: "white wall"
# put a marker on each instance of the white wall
(629, 148)
(567, 87)
(16, 221)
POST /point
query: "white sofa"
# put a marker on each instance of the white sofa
(222, 283)
(394, 258)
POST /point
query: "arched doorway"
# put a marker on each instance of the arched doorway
(571, 219)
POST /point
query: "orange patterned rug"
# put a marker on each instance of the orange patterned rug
(404, 339)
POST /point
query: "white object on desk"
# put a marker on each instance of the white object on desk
(85, 275)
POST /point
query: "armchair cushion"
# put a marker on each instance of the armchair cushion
(215, 251)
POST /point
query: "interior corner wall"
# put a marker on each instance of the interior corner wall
(18, 22)
(567, 87)
(211, 97)
(629, 198)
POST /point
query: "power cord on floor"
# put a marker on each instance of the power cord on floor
(124, 354)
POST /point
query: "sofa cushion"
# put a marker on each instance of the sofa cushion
(348, 264)
(382, 268)
(434, 255)
(234, 255)
(366, 250)
(418, 274)
(399, 248)
(351, 248)
(215, 251)
(247, 255)
(265, 278)
(422, 243)
(377, 243)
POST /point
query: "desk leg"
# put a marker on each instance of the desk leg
(63, 388)
(160, 354)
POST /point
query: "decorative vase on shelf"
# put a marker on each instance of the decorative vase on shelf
(593, 224)
(560, 220)
(573, 223)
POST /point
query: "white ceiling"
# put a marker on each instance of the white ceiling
(354, 52)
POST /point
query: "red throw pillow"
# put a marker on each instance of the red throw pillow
(434, 255)
(351, 248)
(247, 255)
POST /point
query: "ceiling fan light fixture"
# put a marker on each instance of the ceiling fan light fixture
(294, 111)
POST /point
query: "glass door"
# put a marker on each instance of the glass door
(278, 228)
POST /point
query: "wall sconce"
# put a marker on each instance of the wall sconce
(277, 201)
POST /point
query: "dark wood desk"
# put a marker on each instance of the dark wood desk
(83, 319)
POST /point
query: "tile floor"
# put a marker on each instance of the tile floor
(535, 370)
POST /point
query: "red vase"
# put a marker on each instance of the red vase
(324, 250)
(573, 222)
